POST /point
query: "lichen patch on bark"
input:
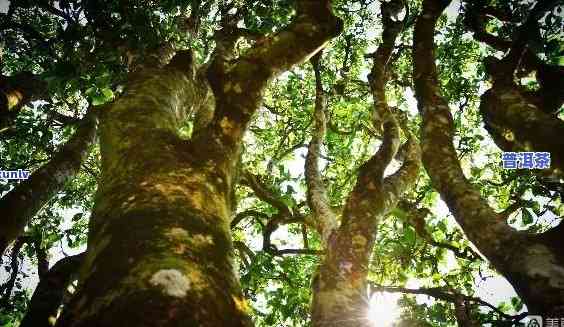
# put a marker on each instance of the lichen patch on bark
(171, 282)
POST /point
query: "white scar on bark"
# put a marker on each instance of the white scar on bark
(171, 281)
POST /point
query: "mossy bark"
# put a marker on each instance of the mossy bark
(533, 264)
(159, 247)
(516, 124)
(159, 250)
(340, 295)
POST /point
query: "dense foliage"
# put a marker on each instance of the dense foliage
(83, 52)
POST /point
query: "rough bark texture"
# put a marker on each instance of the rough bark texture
(516, 118)
(159, 248)
(533, 264)
(462, 312)
(518, 125)
(48, 295)
(19, 206)
(339, 285)
(15, 92)
(325, 220)
(549, 97)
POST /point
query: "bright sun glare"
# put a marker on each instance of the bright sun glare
(383, 310)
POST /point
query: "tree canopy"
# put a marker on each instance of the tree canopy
(280, 162)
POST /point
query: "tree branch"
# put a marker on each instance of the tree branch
(8, 286)
(238, 85)
(445, 295)
(416, 218)
(244, 252)
(263, 192)
(324, 219)
(249, 213)
(27, 198)
(478, 220)
(48, 295)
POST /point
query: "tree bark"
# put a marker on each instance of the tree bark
(159, 246)
(516, 124)
(340, 295)
(533, 264)
(159, 249)
(49, 293)
(15, 92)
(23, 202)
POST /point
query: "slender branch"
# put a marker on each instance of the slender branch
(257, 215)
(324, 218)
(445, 295)
(264, 193)
(416, 218)
(397, 183)
(8, 286)
(244, 252)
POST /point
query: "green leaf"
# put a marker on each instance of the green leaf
(526, 217)
(98, 100)
(107, 93)
(409, 235)
(91, 91)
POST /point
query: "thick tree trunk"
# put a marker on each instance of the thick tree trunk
(533, 264)
(159, 251)
(21, 204)
(159, 247)
(340, 295)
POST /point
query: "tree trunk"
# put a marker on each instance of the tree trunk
(159, 250)
(340, 295)
(159, 245)
(536, 271)
(533, 264)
